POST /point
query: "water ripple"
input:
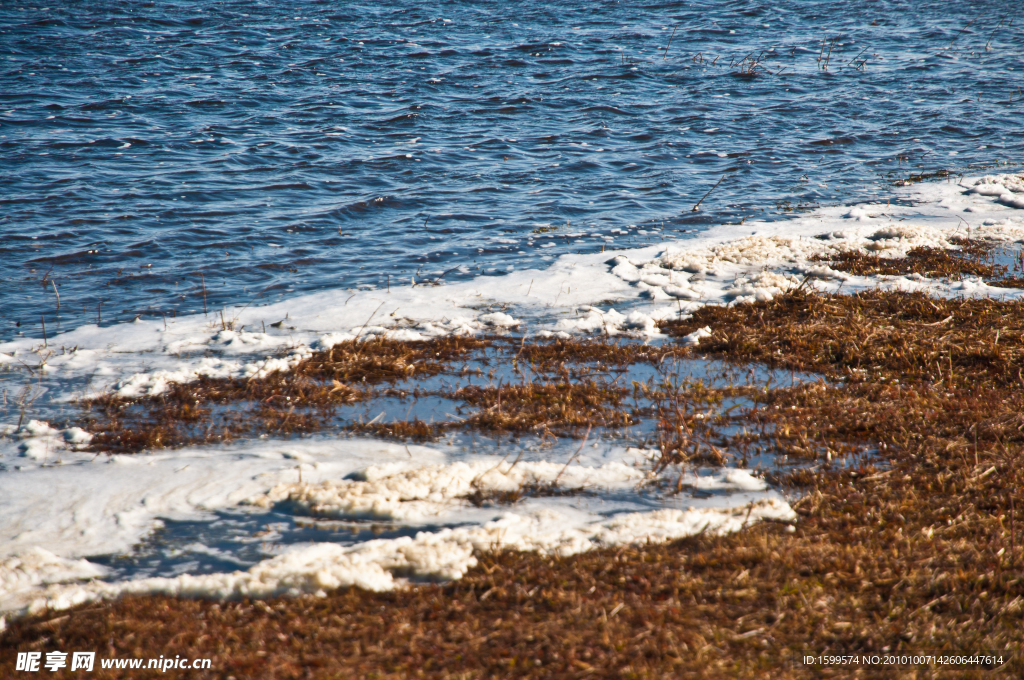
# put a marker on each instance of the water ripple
(304, 147)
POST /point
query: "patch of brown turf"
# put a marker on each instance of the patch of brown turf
(919, 551)
(924, 260)
(876, 335)
(284, 402)
(554, 355)
(567, 407)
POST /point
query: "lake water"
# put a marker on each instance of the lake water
(157, 157)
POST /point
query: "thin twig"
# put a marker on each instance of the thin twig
(573, 456)
(828, 57)
(855, 58)
(707, 194)
(670, 42)
(363, 327)
(961, 31)
(203, 279)
(443, 275)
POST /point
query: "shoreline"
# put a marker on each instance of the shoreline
(900, 457)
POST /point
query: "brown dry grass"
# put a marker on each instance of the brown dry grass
(870, 336)
(304, 400)
(931, 262)
(299, 401)
(561, 355)
(971, 258)
(689, 422)
(403, 430)
(382, 360)
(935, 388)
(919, 551)
(564, 407)
(746, 605)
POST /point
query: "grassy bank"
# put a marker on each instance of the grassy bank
(918, 550)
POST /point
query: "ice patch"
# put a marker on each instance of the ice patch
(45, 444)
(693, 339)
(23, 574)
(730, 479)
(499, 320)
(105, 504)
(859, 214)
(38, 428)
(76, 435)
(611, 323)
(624, 269)
(157, 382)
(1008, 189)
(428, 492)
(759, 287)
(442, 555)
(329, 340)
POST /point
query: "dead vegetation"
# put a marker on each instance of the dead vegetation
(748, 605)
(935, 388)
(382, 360)
(207, 410)
(561, 355)
(562, 407)
(918, 550)
(414, 430)
(971, 258)
(299, 401)
(875, 336)
(921, 177)
(562, 388)
(927, 261)
(689, 424)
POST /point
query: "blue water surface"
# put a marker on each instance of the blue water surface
(156, 157)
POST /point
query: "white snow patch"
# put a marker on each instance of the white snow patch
(105, 504)
(442, 555)
(693, 339)
(45, 444)
(1008, 189)
(424, 492)
(499, 319)
(24, 574)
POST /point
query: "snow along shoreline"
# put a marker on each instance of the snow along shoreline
(56, 509)
(730, 264)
